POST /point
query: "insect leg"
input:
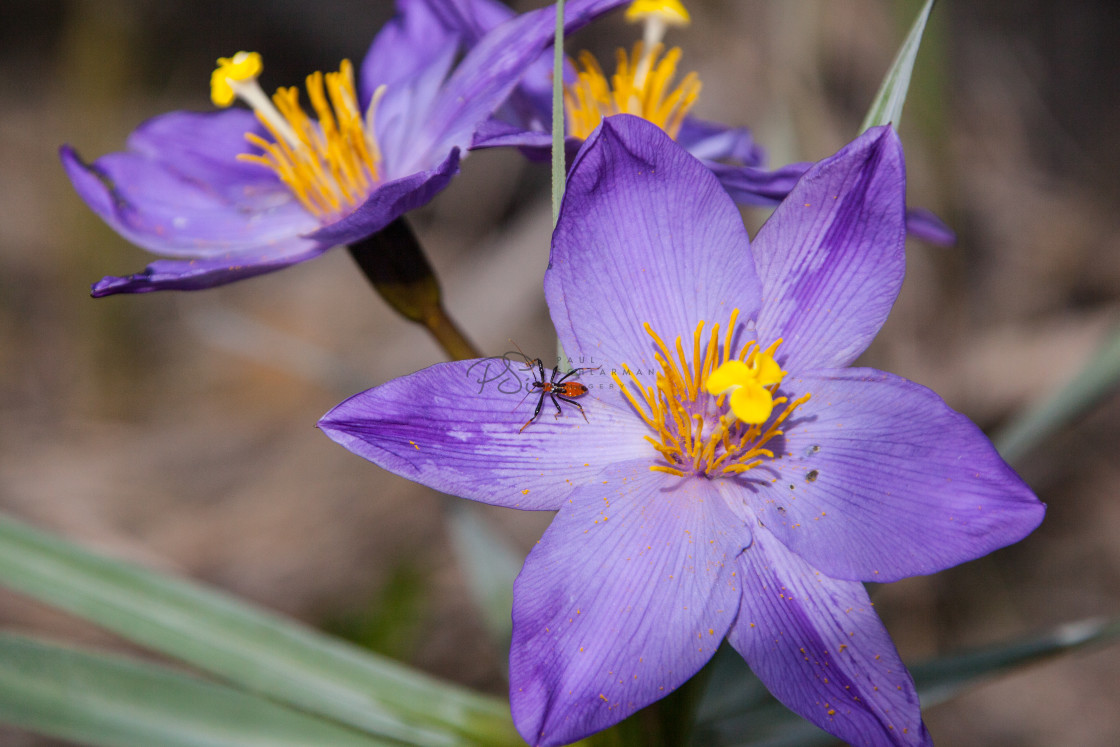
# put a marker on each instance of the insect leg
(536, 412)
(573, 402)
(575, 371)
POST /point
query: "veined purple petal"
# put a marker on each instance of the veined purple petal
(831, 256)
(924, 225)
(173, 196)
(491, 70)
(646, 234)
(713, 141)
(388, 202)
(880, 480)
(454, 427)
(627, 595)
(818, 646)
(755, 186)
(195, 274)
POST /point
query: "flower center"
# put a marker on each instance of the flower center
(640, 86)
(330, 165)
(714, 416)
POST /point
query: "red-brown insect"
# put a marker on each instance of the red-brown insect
(556, 389)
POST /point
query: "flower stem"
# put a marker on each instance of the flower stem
(394, 263)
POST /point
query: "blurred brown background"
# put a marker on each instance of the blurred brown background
(177, 429)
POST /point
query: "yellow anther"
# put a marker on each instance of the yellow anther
(670, 12)
(242, 67)
(685, 408)
(747, 382)
(641, 85)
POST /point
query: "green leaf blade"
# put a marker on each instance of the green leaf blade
(887, 106)
(1098, 379)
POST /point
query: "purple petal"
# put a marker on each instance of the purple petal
(831, 256)
(753, 186)
(924, 225)
(413, 41)
(403, 111)
(530, 104)
(454, 427)
(173, 196)
(471, 19)
(818, 646)
(196, 274)
(411, 56)
(388, 202)
(880, 480)
(203, 147)
(646, 234)
(712, 141)
(627, 595)
(491, 70)
(494, 133)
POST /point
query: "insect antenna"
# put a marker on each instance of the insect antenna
(528, 360)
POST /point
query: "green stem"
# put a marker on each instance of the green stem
(394, 263)
(558, 157)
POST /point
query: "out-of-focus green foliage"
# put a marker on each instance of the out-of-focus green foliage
(101, 699)
(251, 648)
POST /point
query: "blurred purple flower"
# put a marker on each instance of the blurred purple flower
(181, 190)
(735, 479)
(643, 85)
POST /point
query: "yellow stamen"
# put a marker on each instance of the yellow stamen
(243, 67)
(684, 407)
(640, 86)
(330, 164)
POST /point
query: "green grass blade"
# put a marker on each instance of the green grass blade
(255, 649)
(103, 699)
(1099, 378)
(943, 678)
(559, 170)
(887, 106)
(760, 721)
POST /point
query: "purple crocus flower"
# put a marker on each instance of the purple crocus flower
(382, 146)
(734, 478)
